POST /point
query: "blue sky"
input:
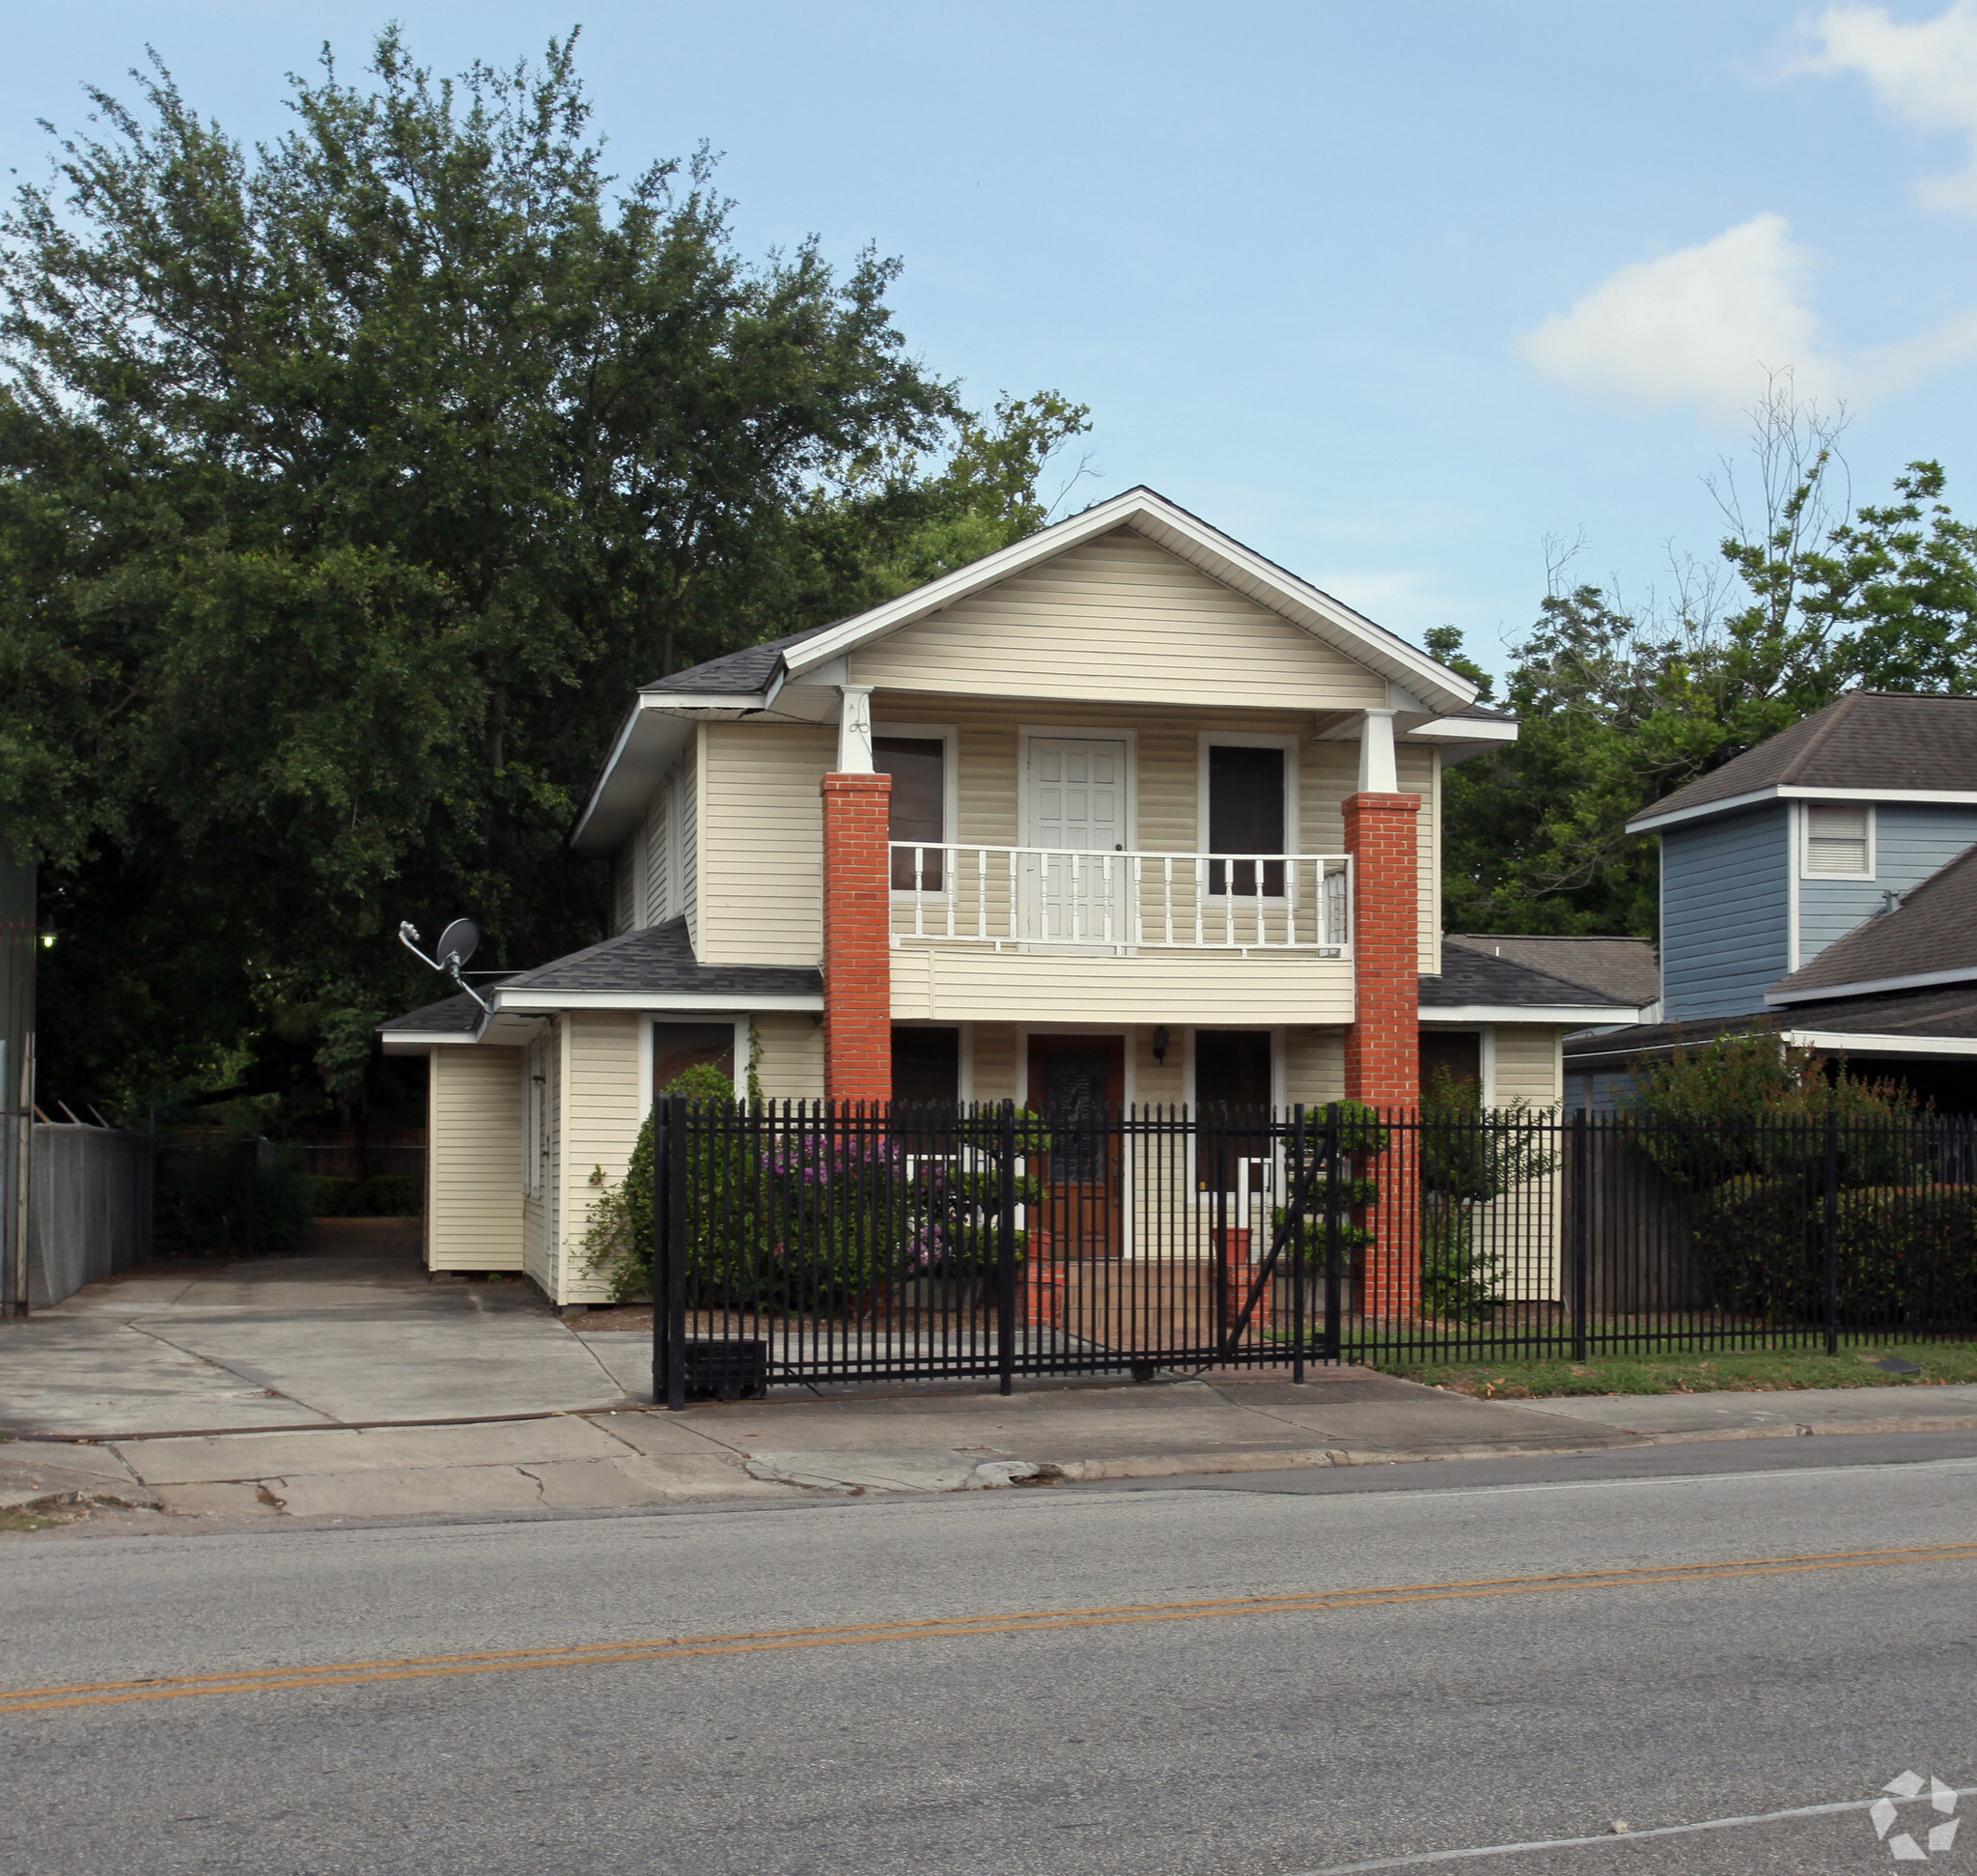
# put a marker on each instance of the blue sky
(1392, 293)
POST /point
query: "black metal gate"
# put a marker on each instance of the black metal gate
(815, 1243)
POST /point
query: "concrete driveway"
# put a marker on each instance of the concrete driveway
(347, 1331)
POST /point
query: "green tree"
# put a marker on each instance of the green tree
(350, 483)
(1622, 704)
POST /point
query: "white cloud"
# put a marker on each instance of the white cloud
(1704, 326)
(1925, 74)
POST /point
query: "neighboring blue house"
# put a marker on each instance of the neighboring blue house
(1812, 846)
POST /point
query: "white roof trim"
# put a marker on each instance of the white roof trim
(1462, 729)
(416, 1042)
(1840, 1042)
(1871, 986)
(656, 1002)
(1192, 540)
(1582, 1014)
(1794, 792)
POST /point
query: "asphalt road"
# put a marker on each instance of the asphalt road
(1063, 1679)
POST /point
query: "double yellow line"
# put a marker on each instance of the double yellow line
(939, 1628)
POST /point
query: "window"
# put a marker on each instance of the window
(927, 1066)
(918, 768)
(1232, 1082)
(1839, 841)
(1246, 801)
(1456, 1052)
(678, 1047)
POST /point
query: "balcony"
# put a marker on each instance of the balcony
(1061, 900)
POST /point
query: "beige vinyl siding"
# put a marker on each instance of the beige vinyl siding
(791, 1064)
(600, 1123)
(762, 867)
(688, 845)
(473, 1199)
(1527, 1064)
(1314, 1067)
(1158, 1085)
(541, 1209)
(991, 1050)
(1418, 773)
(624, 887)
(658, 864)
(973, 984)
(1119, 620)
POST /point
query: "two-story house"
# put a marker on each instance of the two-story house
(1123, 812)
(1822, 884)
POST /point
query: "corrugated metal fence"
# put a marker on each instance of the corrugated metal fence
(89, 1210)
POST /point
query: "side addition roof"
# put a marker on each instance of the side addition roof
(1479, 987)
(1931, 937)
(1868, 745)
(655, 969)
(1622, 969)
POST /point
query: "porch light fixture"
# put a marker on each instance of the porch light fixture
(1161, 1044)
(46, 935)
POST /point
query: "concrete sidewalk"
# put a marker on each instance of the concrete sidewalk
(341, 1384)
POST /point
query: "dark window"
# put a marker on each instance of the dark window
(918, 768)
(927, 1066)
(1231, 1081)
(1245, 816)
(1458, 1051)
(678, 1047)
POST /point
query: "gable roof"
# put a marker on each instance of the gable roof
(1621, 969)
(1929, 937)
(1885, 745)
(1187, 537)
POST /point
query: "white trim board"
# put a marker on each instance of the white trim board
(652, 1003)
(1459, 1014)
(1793, 792)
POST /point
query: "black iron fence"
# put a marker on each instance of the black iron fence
(815, 1243)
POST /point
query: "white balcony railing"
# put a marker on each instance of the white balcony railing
(1029, 896)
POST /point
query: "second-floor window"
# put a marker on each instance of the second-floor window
(918, 768)
(1247, 815)
(1839, 840)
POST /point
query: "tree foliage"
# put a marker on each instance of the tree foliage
(349, 484)
(1621, 704)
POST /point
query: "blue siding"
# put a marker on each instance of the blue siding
(1725, 912)
(1911, 840)
(1599, 1091)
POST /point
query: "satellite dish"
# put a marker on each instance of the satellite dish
(459, 941)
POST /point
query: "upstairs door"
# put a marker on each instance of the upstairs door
(1077, 807)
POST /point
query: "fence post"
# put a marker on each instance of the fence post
(1832, 1231)
(1581, 1178)
(248, 1194)
(1299, 1198)
(1005, 1255)
(1218, 1159)
(1335, 1276)
(669, 1252)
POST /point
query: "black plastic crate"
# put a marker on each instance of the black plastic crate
(727, 1371)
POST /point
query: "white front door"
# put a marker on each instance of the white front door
(1077, 808)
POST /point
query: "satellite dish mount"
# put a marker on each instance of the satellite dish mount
(457, 944)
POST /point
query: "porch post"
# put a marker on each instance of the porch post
(1384, 1045)
(857, 938)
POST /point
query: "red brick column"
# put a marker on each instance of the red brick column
(1384, 1045)
(857, 938)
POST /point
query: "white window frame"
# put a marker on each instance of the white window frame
(1810, 808)
(1249, 740)
(534, 1093)
(947, 735)
(744, 1042)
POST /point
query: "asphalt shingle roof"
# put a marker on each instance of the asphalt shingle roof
(1867, 740)
(451, 1016)
(1479, 978)
(1938, 1011)
(747, 670)
(659, 961)
(1933, 929)
(1619, 970)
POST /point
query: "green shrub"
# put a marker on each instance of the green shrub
(387, 1195)
(331, 1195)
(1905, 1253)
(200, 1197)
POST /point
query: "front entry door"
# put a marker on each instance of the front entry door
(1077, 807)
(1077, 1085)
